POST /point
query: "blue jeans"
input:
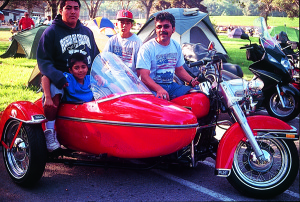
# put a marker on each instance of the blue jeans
(174, 89)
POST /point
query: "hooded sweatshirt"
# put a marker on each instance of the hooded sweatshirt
(58, 43)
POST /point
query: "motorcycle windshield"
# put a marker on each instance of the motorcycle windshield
(110, 76)
(267, 42)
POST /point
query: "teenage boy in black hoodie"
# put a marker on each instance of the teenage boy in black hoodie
(59, 41)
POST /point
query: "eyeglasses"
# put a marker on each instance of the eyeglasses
(166, 26)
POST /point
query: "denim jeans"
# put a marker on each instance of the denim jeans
(174, 89)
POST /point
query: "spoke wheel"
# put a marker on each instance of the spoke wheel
(25, 161)
(264, 180)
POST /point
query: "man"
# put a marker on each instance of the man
(65, 36)
(26, 22)
(48, 21)
(160, 58)
(125, 44)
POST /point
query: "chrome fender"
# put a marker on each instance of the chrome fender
(231, 138)
(24, 111)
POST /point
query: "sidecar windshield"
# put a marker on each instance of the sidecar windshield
(110, 76)
(266, 40)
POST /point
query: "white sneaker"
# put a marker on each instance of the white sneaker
(51, 140)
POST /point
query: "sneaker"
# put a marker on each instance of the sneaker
(51, 140)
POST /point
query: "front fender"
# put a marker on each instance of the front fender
(235, 134)
(290, 88)
(24, 111)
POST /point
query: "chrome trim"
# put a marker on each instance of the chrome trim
(122, 95)
(222, 172)
(144, 125)
(253, 70)
(32, 121)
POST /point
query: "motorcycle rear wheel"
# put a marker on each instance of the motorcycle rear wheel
(275, 109)
(269, 179)
(25, 162)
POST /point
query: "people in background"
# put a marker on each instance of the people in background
(48, 21)
(26, 22)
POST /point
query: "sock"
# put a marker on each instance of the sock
(50, 125)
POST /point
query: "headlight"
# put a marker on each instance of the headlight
(286, 64)
(270, 57)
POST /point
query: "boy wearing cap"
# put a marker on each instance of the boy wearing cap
(124, 44)
(26, 22)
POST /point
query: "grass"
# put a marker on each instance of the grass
(248, 21)
(14, 75)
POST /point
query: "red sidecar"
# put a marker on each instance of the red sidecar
(125, 120)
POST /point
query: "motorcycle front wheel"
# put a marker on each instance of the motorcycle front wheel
(25, 161)
(275, 108)
(268, 179)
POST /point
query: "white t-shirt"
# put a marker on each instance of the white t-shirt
(160, 60)
(125, 48)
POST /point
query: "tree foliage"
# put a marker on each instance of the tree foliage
(29, 5)
(161, 5)
(3, 4)
(92, 6)
(53, 7)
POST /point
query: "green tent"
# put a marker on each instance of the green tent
(192, 26)
(24, 44)
(293, 34)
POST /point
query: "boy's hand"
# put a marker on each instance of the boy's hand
(66, 85)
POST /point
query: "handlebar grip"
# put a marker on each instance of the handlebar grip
(244, 47)
(198, 63)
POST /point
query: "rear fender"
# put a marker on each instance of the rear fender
(24, 111)
(260, 125)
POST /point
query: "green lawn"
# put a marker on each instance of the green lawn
(248, 21)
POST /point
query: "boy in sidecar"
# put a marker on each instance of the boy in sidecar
(77, 89)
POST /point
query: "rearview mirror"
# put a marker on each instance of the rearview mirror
(245, 36)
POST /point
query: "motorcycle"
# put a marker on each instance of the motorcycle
(291, 50)
(271, 87)
(126, 122)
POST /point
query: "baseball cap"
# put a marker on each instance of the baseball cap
(124, 14)
(26, 13)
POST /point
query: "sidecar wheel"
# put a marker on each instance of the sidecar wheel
(275, 109)
(25, 162)
(269, 179)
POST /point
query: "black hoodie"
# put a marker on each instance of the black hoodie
(57, 43)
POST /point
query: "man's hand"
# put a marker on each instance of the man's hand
(162, 93)
(194, 82)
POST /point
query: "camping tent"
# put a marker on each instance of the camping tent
(24, 44)
(236, 33)
(104, 25)
(192, 26)
(293, 34)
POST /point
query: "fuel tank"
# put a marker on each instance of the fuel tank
(197, 102)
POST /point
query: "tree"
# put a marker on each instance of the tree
(148, 5)
(161, 5)
(93, 8)
(53, 5)
(27, 4)
(3, 4)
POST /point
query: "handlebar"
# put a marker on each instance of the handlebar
(198, 63)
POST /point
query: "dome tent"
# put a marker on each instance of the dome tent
(191, 26)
